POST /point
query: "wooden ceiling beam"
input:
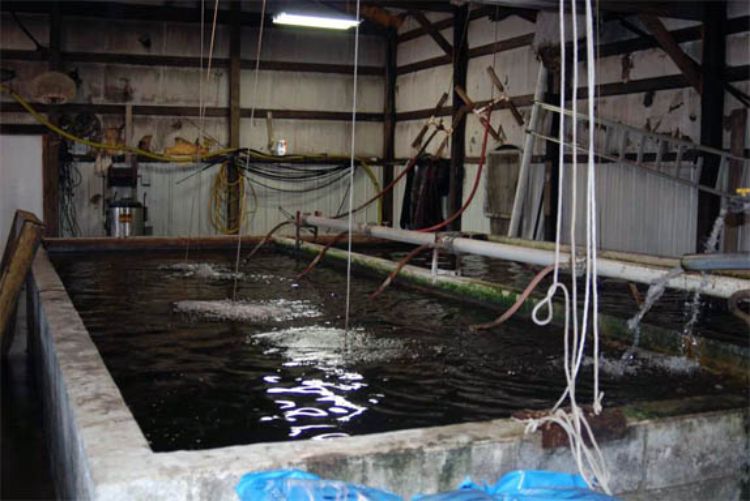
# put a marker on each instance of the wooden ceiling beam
(158, 13)
(433, 32)
(685, 63)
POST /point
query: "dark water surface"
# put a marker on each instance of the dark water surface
(410, 360)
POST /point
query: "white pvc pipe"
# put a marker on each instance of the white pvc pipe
(711, 285)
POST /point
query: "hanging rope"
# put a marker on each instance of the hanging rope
(252, 119)
(200, 136)
(351, 173)
(584, 447)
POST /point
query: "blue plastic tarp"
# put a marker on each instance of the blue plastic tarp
(519, 485)
(524, 485)
(297, 485)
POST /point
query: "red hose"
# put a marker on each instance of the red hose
(519, 302)
(398, 269)
(321, 254)
(409, 166)
(473, 189)
(266, 239)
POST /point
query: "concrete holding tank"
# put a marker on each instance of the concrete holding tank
(669, 450)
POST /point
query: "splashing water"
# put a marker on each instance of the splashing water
(206, 271)
(640, 360)
(278, 310)
(657, 288)
(711, 246)
(655, 292)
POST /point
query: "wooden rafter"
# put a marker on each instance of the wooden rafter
(372, 13)
(669, 44)
(685, 63)
(432, 31)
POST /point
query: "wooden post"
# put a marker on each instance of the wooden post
(389, 122)
(51, 145)
(458, 141)
(51, 142)
(712, 113)
(14, 271)
(233, 190)
(55, 37)
(737, 121)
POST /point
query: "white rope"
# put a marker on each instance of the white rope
(199, 181)
(351, 174)
(589, 459)
(247, 161)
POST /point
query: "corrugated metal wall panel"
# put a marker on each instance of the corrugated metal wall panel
(170, 205)
(636, 211)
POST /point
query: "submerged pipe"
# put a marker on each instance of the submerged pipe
(711, 285)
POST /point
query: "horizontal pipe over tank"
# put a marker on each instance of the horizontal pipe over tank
(711, 285)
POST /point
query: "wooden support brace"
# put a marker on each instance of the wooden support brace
(471, 106)
(420, 137)
(23, 241)
(685, 63)
(433, 32)
(504, 96)
(457, 117)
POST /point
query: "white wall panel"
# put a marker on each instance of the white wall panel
(20, 179)
(421, 48)
(312, 91)
(316, 136)
(421, 90)
(484, 31)
(312, 46)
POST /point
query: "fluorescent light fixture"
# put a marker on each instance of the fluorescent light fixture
(329, 23)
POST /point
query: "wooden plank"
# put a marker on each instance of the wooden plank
(458, 139)
(433, 62)
(161, 13)
(502, 45)
(187, 62)
(735, 25)
(737, 134)
(433, 32)
(421, 31)
(131, 244)
(688, 67)
(735, 73)
(477, 13)
(193, 111)
(13, 275)
(19, 218)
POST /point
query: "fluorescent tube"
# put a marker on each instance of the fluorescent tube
(330, 23)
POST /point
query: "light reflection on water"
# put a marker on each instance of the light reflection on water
(315, 406)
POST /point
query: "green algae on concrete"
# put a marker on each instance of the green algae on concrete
(712, 354)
